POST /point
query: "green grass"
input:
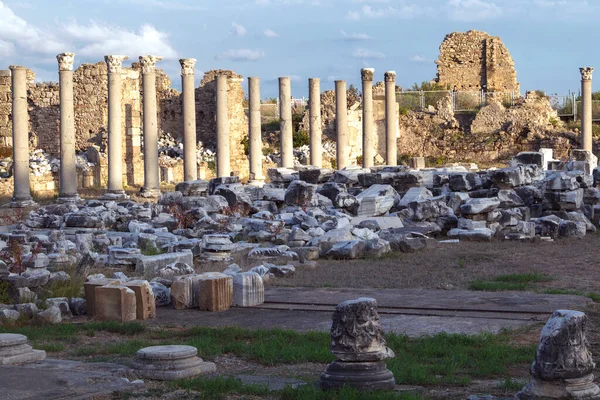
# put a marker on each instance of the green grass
(440, 359)
(519, 282)
(592, 295)
(222, 387)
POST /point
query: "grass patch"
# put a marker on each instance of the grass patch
(217, 388)
(309, 392)
(592, 295)
(520, 282)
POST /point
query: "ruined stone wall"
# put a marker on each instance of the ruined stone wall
(474, 60)
(206, 122)
(5, 108)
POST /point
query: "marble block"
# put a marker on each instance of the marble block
(144, 299)
(248, 289)
(215, 292)
(89, 289)
(115, 302)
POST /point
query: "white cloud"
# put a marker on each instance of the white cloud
(6, 48)
(270, 34)
(353, 15)
(96, 40)
(241, 55)
(169, 5)
(472, 10)
(418, 59)
(238, 30)
(365, 53)
(355, 36)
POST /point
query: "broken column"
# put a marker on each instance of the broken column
(285, 115)
(20, 135)
(391, 124)
(367, 117)
(115, 135)
(341, 124)
(188, 98)
(360, 349)
(170, 362)
(151, 181)
(68, 171)
(254, 131)
(15, 350)
(586, 106)
(563, 365)
(314, 110)
(223, 160)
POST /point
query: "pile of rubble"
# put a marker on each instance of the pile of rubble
(170, 150)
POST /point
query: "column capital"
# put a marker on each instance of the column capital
(149, 63)
(390, 76)
(187, 66)
(14, 67)
(65, 61)
(113, 62)
(366, 74)
(586, 73)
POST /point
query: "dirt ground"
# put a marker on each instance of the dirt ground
(572, 264)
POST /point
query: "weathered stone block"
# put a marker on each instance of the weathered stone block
(144, 299)
(215, 292)
(115, 303)
(248, 289)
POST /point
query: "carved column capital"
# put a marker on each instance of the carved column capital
(366, 74)
(148, 63)
(65, 61)
(390, 76)
(586, 73)
(113, 62)
(187, 66)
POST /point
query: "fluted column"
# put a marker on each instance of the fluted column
(368, 143)
(285, 112)
(341, 124)
(20, 136)
(115, 134)
(68, 168)
(254, 131)
(391, 123)
(316, 133)
(188, 96)
(223, 157)
(586, 107)
(151, 178)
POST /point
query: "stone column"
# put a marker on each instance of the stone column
(367, 117)
(223, 160)
(151, 186)
(188, 96)
(586, 106)
(68, 169)
(20, 136)
(341, 124)
(115, 135)
(254, 131)
(314, 110)
(391, 123)
(285, 113)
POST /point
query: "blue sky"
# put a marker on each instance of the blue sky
(331, 39)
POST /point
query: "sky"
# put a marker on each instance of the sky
(330, 39)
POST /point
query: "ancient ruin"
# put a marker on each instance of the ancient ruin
(474, 60)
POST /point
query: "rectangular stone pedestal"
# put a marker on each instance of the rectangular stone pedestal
(216, 292)
(89, 289)
(248, 289)
(144, 299)
(115, 303)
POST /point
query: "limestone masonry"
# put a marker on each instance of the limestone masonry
(474, 60)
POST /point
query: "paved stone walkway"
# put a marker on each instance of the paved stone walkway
(414, 312)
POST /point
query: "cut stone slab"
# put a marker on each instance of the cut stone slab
(148, 266)
(376, 200)
(15, 350)
(89, 289)
(170, 362)
(115, 302)
(144, 299)
(248, 289)
(215, 292)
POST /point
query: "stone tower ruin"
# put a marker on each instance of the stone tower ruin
(474, 60)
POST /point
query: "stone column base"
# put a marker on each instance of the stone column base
(575, 388)
(72, 198)
(20, 203)
(150, 192)
(363, 376)
(114, 195)
(167, 363)
(15, 350)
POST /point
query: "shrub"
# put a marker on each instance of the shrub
(300, 138)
